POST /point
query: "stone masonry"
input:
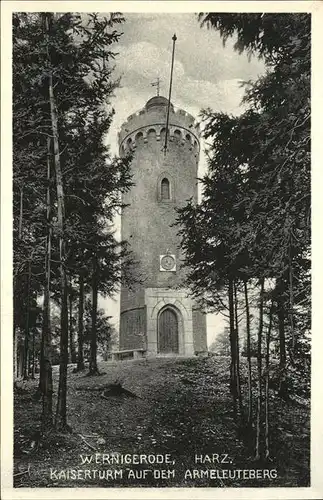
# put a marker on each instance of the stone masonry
(146, 223)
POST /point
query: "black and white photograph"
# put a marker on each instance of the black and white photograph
(160, 304)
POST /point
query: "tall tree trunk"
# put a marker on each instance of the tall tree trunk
(60, 420)
(259, 367)
(267, 451)
(61, 409)
(26, 350)
(233, 346)
(20, 361)
(15, 354)
(72, 353)
(248, 355)
(33, 355)
(291, 299)
(279, 292)
(93, 369)
(237, 347)
(41, 360)
(21, 206)
(16, 370)
(15, 332)
(80, 360)
(46, 377)
(28, 361)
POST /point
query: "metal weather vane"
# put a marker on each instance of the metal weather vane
(174, 38)
(156, 84)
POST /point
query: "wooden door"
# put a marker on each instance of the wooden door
(167, 332)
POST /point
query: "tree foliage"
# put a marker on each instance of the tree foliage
(253, 224)
(67, 186)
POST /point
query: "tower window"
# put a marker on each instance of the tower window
(165, 189)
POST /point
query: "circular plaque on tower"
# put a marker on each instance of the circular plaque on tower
(167, 262)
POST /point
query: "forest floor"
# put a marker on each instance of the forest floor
(183, 409)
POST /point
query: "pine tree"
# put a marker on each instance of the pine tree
(62, 86)
(253, 225)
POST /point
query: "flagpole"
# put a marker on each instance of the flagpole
(174, 38)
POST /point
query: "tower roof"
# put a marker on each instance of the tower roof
(157, 101)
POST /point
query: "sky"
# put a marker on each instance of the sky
(206, 75)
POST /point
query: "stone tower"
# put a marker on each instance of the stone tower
(158, 315)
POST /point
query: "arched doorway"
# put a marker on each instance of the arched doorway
(167, 331)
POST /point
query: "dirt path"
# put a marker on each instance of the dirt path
(182, 409)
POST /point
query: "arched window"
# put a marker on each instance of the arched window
(151, 134)
(139, 138)
(165, 189)
(177, 135)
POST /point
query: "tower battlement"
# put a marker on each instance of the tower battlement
(150, 122)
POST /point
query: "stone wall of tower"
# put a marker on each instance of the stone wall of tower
(199, 330)
(147, 220)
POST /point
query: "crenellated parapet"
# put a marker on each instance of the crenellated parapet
(148, 124)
